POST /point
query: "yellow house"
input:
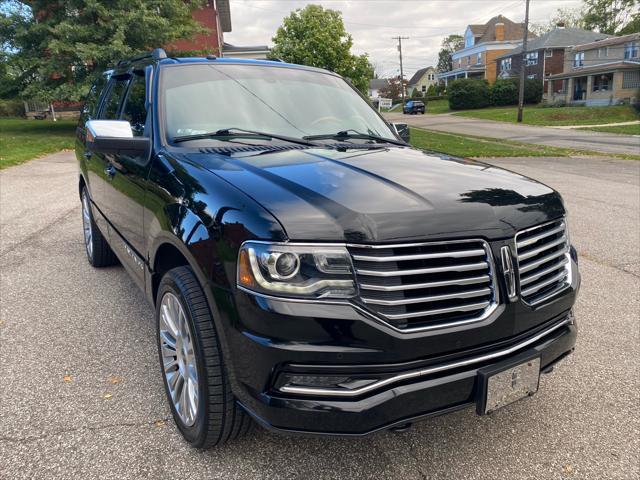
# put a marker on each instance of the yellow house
(422, 80)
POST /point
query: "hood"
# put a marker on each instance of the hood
(383, 195)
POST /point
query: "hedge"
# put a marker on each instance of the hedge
(468, 93)
(471, 93)
(11, 108)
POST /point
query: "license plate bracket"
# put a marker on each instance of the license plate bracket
(507, 382)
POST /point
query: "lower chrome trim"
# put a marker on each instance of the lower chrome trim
(426, 371)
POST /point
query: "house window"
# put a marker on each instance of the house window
(548, 53)
(531, 58)
(505, 64)
(578, 59)
(469, 60)
(602, 83)
(479, 61)
(631, 79)
(603, 52)
(423, 88)
(532, 76)
(631, 50)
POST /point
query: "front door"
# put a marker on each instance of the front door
(125, 192)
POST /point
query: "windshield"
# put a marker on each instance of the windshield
(284, 101)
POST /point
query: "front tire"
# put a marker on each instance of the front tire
(195, 377)
(98, 251)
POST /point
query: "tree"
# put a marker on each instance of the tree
(57, 48)
(394, 89)
(316, 36)
(449, 45)
(609, 16)
(569, 17)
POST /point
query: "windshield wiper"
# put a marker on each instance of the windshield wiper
(349, 134)
(241, 132)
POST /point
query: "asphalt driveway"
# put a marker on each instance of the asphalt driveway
(81, 394)
(553, 137)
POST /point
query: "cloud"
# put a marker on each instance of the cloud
(373, 23)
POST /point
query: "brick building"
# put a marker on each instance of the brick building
(482, 45)
(545, 54)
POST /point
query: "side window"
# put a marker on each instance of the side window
(92, 102)
(134, 111)
(114, 98)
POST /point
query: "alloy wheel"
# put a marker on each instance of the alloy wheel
(179, 363)
(86, 225)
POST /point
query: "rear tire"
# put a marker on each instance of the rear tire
(191, 358)
(98, 251)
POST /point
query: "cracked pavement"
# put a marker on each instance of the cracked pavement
(81, 394)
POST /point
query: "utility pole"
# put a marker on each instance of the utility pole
(522, 62)
(399, 38)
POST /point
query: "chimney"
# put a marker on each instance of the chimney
(499, 31)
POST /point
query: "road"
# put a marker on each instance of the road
(81, 394)
(554, 137)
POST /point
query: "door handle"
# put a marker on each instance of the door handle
(110, 171)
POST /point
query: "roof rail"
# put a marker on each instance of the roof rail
(157, 54)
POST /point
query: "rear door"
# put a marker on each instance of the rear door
(126, 183)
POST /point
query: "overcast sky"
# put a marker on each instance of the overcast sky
(372, 23)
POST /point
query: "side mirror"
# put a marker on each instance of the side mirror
(114, 137)
(402, 129)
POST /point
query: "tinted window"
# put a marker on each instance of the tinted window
(134, 111)
(92, 102)
(114, 98)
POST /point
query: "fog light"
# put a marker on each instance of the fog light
(307, 384)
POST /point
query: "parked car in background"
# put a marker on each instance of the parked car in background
(413, 107)
(309, 269)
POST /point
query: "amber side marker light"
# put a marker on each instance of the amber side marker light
(245, 276)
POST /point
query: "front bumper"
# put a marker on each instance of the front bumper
(405, 401)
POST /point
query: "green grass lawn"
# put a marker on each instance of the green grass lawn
(536, 115)
(438, 106)
(468, 146)
(622, 129)
(22, 140)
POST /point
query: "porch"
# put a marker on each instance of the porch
(597, 88)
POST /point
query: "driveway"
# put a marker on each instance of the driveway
(81, 395)
(554, 137)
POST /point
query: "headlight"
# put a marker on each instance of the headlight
(296, 270)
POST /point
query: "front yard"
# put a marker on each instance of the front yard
(22, 140)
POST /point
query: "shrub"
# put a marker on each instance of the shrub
(416, 93)
(504, 92)
(532, 90)
(11, 108)
(431, 91)
(468, 93)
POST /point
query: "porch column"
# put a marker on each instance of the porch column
(466, 74)
(589, 86)
(569, 95)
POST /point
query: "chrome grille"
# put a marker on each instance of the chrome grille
(543, 261)
(426, 285)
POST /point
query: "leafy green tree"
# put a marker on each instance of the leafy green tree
(394, 88)
(57, 48)
(610, 16)
(431, 91)
(449, 45)
(316, 36)
(569, 17)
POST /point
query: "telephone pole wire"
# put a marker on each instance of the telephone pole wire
(399, 38)
(523, 64)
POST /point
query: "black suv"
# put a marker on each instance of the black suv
(309, 269)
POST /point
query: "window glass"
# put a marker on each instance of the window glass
(114, 98)
(133, 110)
(91, 104)
(286, 101)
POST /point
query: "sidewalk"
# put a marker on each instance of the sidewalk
(554, 137)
